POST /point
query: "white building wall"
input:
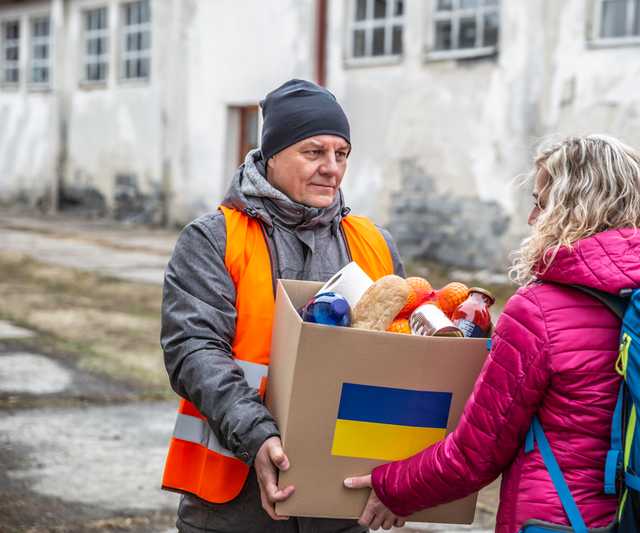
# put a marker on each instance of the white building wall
(473, 124)
(470, 124)
(175, 133)
(115, 128)
(111, 128)
(591, 88)
(28, 143)
(433, 112)
(235, 53)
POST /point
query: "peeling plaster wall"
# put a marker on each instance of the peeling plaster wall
(114, 128)
(591, 89)
(235, 53)
(465, 122)
(28, 143)
(472, 125)
(172, 133)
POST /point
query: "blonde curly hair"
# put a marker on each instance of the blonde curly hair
(593, 184)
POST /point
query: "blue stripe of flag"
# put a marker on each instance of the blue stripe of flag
(387, 405)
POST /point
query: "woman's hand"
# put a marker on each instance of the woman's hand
(375, 514)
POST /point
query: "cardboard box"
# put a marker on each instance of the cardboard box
(319, 374)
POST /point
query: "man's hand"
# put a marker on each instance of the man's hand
(270, 459)
(375, 514)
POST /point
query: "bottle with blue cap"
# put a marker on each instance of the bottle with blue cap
(328, 308)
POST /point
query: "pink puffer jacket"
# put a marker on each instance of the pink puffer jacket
(553, 354)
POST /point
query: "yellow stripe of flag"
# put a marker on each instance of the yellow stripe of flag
(386, 442)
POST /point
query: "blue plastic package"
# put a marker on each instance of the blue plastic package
(329, 308)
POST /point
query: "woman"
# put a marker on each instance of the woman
(553, 355)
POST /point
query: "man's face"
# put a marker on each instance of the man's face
(310, 172)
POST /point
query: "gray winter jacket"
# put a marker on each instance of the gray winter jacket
(198, 313)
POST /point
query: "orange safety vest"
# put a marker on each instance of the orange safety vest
(196, 462)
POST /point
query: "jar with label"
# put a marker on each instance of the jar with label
(472, 316)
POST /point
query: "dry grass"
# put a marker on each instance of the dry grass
(109, 326)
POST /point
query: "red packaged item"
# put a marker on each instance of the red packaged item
(472, 316)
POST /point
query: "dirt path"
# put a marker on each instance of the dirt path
(79, 451)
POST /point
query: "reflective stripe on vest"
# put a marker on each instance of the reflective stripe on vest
(197, 430)
(196, 462)
(255, 374)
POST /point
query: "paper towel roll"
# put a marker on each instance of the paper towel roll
(351, 282)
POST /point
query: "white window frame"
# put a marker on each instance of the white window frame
(5, 43)
(369, 25)
(88, 34)
(454, 16)
(628, 39)
(127, 55)
(39, 62)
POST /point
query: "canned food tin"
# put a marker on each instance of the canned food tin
(429, 320)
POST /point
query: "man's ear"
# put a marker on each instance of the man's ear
(269, 167)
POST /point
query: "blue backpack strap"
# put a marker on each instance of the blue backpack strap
(632, 481)
(613, 463)
(536, 434)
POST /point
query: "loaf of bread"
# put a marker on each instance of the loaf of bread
(380, 303)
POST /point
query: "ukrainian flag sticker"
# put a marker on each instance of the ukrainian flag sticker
(387, 423)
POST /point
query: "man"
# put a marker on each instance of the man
(283, 217)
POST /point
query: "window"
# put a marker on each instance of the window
(136, 40)
(40, 51)
(376, 28)
(96, 38)
(10, 53)
(465, 28)
(617, 21)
